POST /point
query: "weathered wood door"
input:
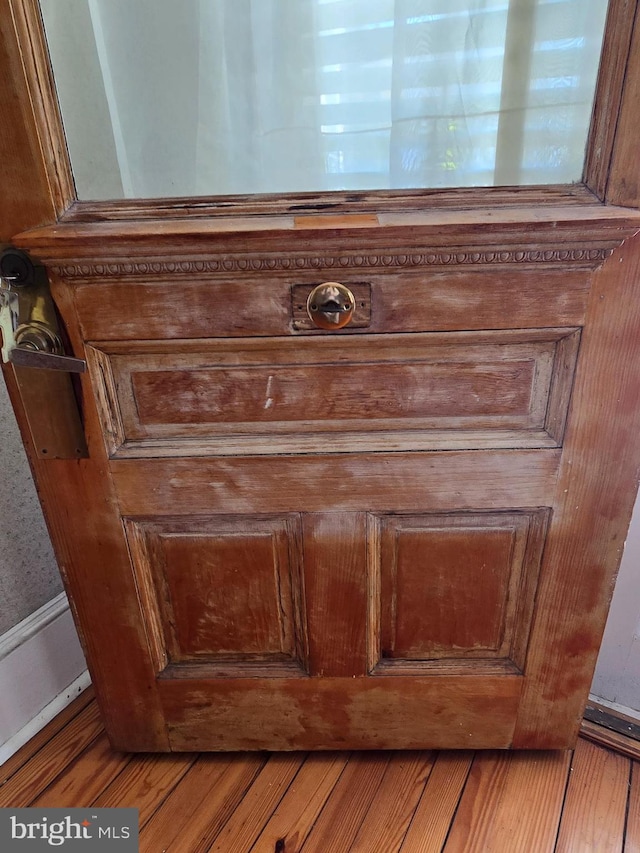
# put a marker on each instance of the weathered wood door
(400, 534)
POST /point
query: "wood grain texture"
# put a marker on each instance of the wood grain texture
(226, 589)
(431, 821)
(437, 262)
(47, 124)
(200, 805)
(623, 185)
(28, 197)
(632, 827)
(258, 803)
(511, 801)
(146, 782)
(399, 712)
(471, 236)
(89, 774)
(593, 817)
(609, 739)
(491, 816)
(455, 586)
(33, 778)
(336, 590)
(94, 562)
(312, 203)
(345, 810)
(392, 808)
(402, 301)
(395, 482)
(596, 489)
(608, 96)
(486, 387)
(298, 810)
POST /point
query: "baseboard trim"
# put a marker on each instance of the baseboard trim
(33, 624)
(42, 669)
(31, 729)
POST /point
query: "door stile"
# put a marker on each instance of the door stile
(597, 483)
(79, 504)
(336, 591)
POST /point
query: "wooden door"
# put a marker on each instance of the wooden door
(401, 534)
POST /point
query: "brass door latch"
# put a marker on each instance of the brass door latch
(32, 343)
(331, 306)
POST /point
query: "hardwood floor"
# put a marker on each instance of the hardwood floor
(411, 802)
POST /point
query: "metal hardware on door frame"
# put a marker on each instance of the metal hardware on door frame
(32, 343)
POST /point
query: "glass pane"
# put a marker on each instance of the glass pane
(212, 97)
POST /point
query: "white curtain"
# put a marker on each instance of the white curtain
(208, 97)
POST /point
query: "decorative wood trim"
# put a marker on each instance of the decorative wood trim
(125, 373)
(166, 626)
(524, 532)
(241, 264)
(26, 193)
(473, 238)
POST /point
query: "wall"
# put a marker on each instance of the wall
(617, 677)
(29, 575)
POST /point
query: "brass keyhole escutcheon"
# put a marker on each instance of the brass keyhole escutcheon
(330, 305)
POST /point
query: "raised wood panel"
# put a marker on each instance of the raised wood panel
(327, 393)
(420, 391)
(225, 593)
(329, 713)
(456, 587)
(401, 301)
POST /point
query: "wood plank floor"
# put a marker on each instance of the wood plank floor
(410, 802)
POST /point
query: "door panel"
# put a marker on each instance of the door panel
(454, 588)
(420, 391)
(226, 592)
